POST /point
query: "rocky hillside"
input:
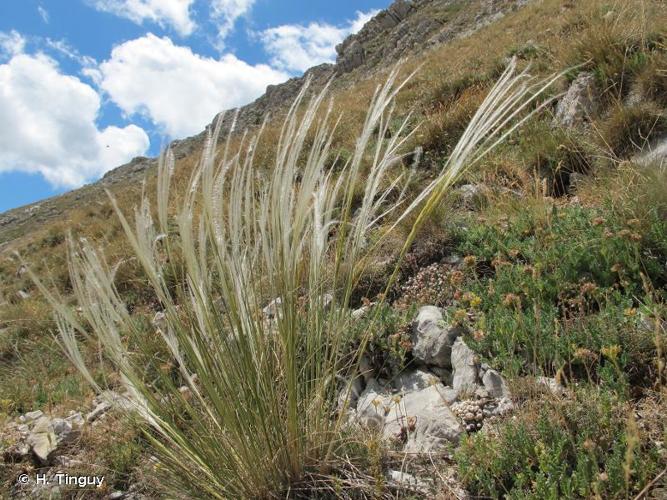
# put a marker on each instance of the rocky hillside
(404, 28)
(519, 351)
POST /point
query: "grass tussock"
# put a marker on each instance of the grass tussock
(257, 416)
(560, 278)
(628, 130)
(615, 41)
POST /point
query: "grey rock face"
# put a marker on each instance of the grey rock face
(421, 419)
(136, 167)
(418, 412)
(579, 102)
(435, 426)
(473, 195)
(410, 25)
(352, 57)
(432, 340)
(61, 427)
(464, 363)
(373, 406)
(48, 434)
(42, 439)
(352, 51)
(414, 380)
(31, 416)
(358, 314)
(327, 300)
(349, 394)
(107, 400)
(495, 384)
(408, 481)
(444, 374)
(160, 321)
(99, 410)
(272, 310)
(76, 419)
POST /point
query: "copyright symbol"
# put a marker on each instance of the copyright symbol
(23, 478)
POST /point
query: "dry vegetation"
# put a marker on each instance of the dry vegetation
(566, 280)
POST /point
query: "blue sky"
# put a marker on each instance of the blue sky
(85, 85)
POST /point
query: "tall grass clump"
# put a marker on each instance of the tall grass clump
(258, 418)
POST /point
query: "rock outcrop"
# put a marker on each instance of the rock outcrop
(420, 420)
(432, 339)
(578, 105)
(655, 154)
(418, 411)
(42, 437)
(410, 25)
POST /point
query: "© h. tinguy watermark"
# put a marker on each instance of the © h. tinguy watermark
(63, 479)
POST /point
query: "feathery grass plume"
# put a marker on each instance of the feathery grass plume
(258, 416)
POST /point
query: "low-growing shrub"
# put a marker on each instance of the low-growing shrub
(586, 447)
(563, 290)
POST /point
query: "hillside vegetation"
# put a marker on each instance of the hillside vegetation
(545, 259)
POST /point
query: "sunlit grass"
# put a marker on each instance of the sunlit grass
(258, 416)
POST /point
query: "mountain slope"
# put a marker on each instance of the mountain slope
(404, 28)
(524, 338)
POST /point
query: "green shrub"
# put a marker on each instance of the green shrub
(122, 456)
(587, 447)
(389, 341)
(563, 288)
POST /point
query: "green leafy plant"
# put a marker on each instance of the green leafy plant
(586, 447)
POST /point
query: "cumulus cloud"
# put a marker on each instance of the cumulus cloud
(174, 13)
(48, 125)
(295, 47)
(11, 43)
(226, 12)
(178, 90)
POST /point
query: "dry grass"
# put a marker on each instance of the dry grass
(451, 81)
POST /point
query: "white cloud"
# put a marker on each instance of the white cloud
(11, 43)
(63, 47)
(43, 13)
(175, 13)
(178, 90)
(295, 48)
(226, 12)
(48, 125)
